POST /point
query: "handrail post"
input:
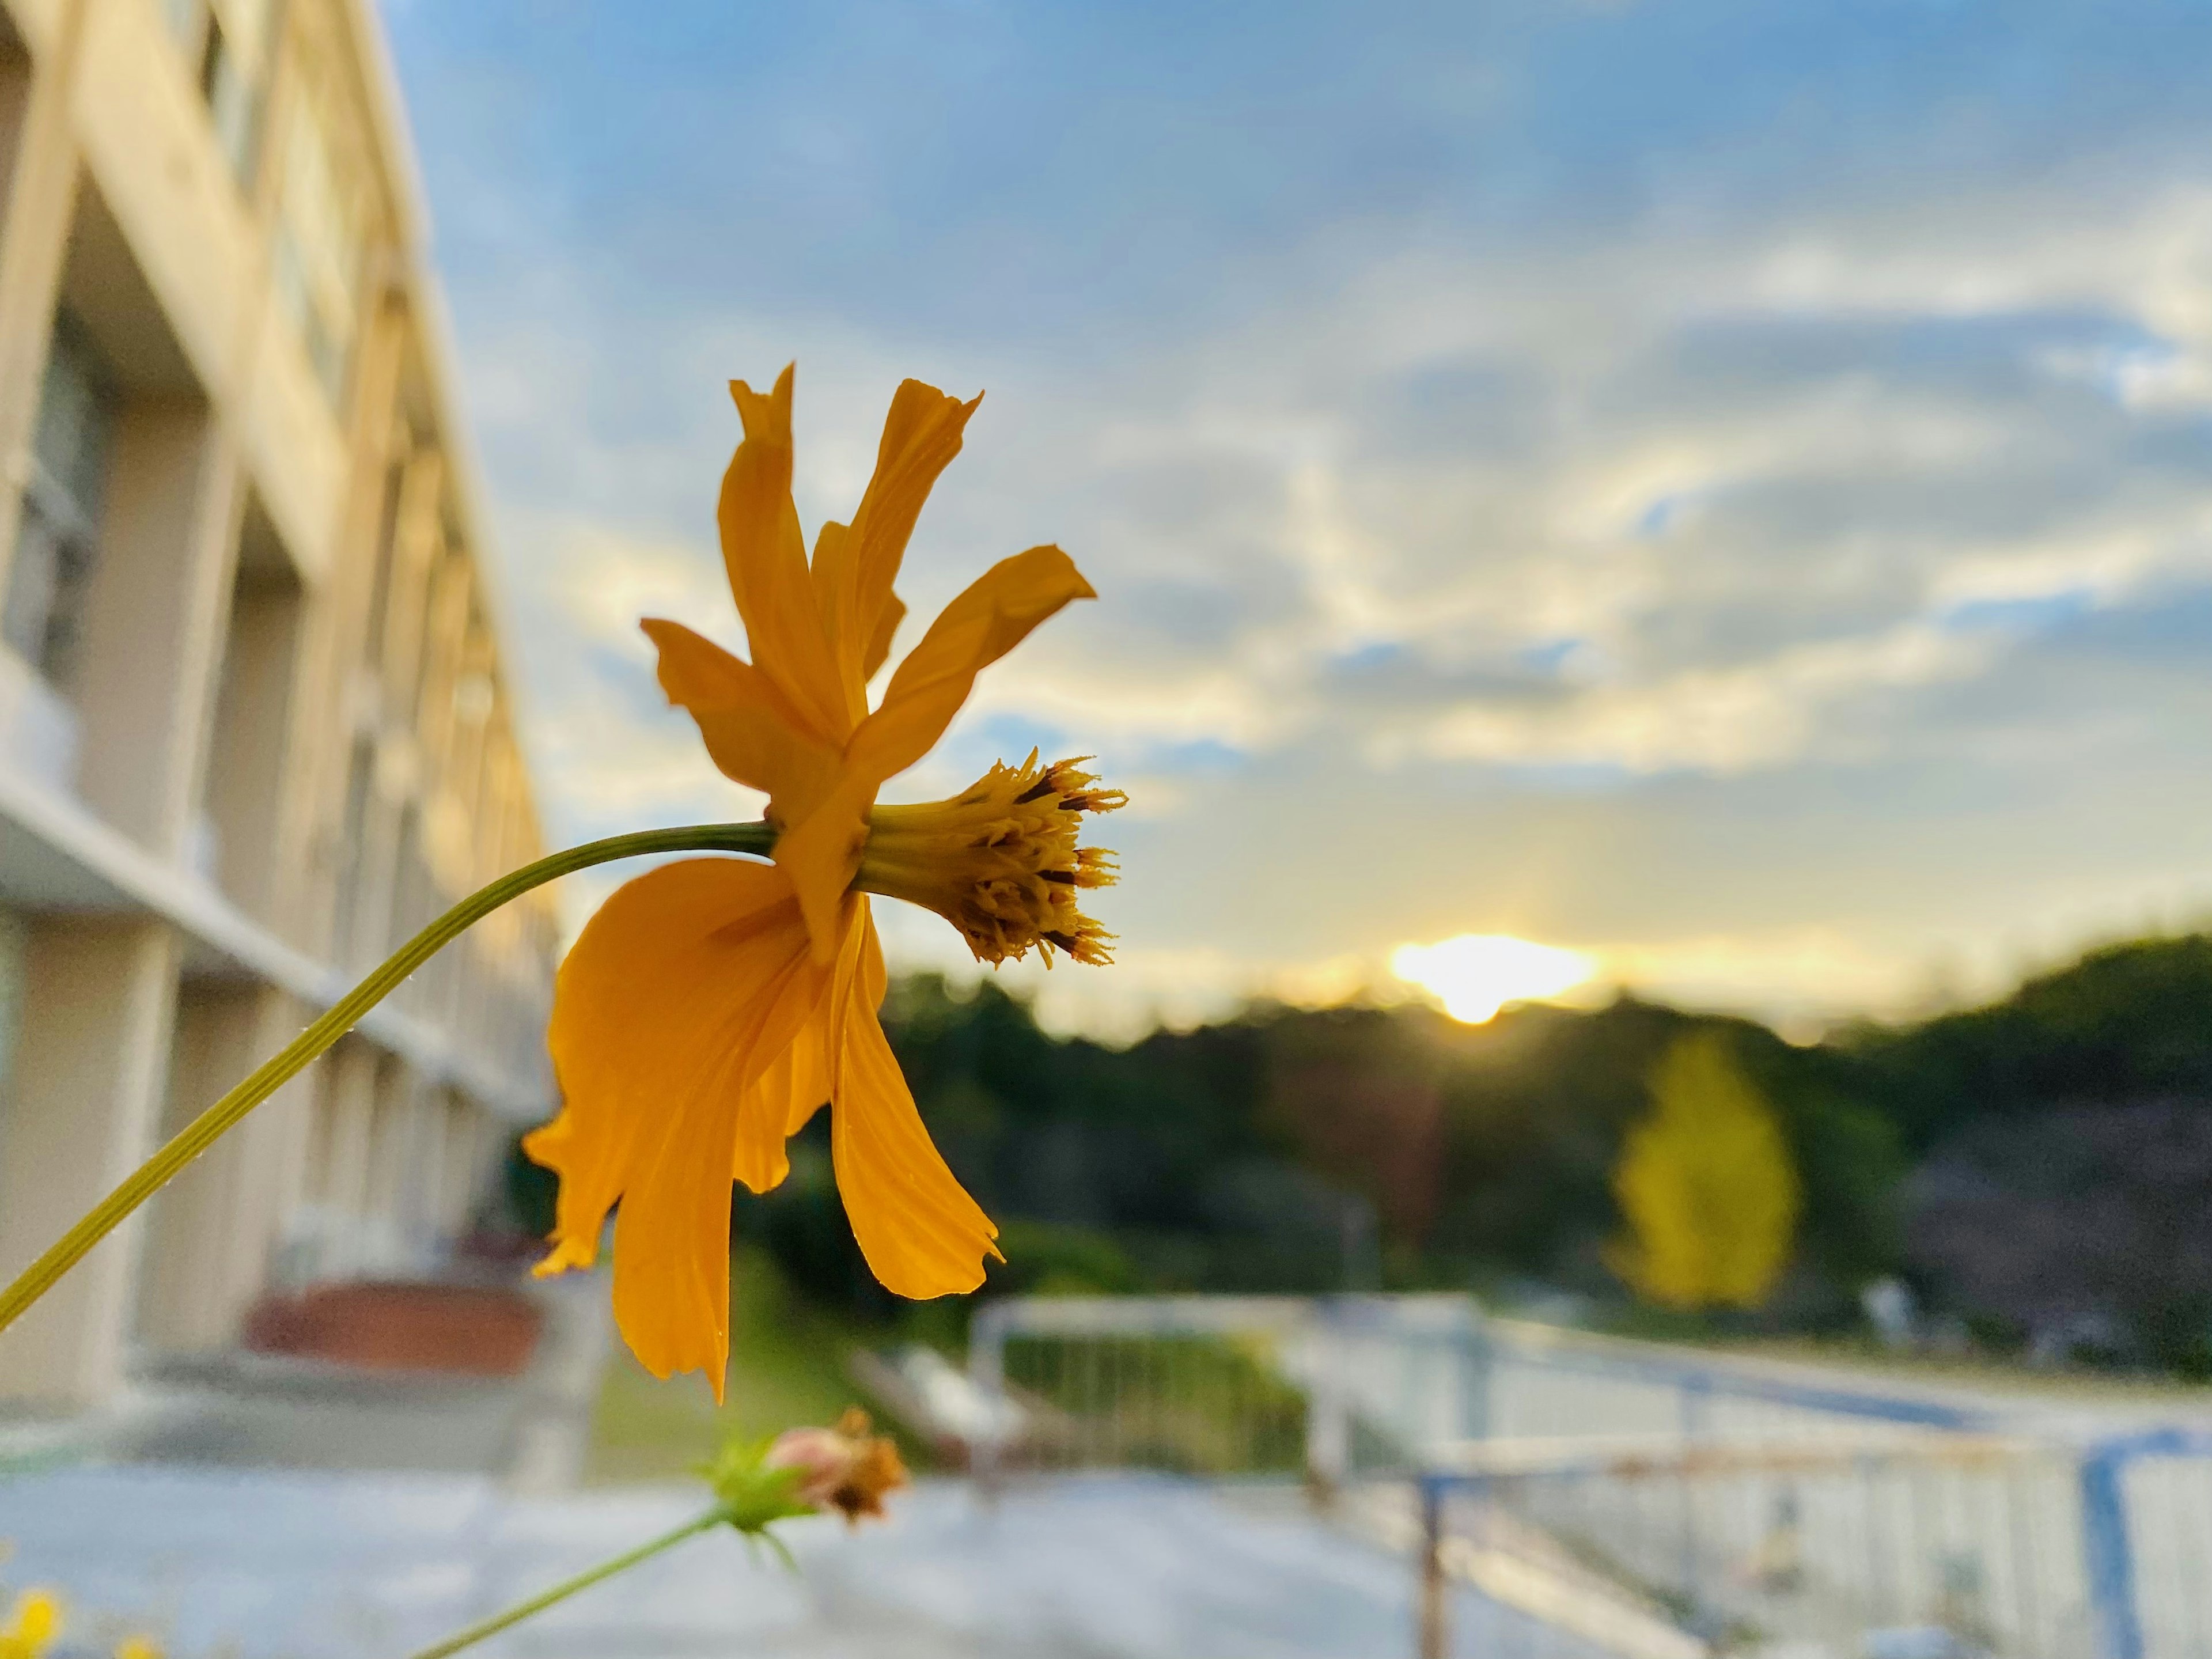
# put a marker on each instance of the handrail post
(1477, 1375)
(986, 1370)
(2109, 1556)
(1434, 1608)
(1328, 1405)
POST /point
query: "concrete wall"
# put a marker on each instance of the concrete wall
(288, 740)
(85, 1092)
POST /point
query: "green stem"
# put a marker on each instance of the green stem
(204, 1130)
(568, 1587)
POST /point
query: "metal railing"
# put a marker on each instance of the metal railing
(1223, 1385)
(1651, 1501)
(1866, 1542)
(1341, 1386)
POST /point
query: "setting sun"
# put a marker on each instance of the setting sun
(1476, 975)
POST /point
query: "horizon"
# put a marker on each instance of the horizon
(1591, 996)
(1719, 492)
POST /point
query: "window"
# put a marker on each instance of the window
(228, 43)
(387, 545)
(318, 254)
(233, 99)
(361, 778)
(186, 18)
(59, 537)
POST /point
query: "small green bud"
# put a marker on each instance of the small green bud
(749, 1494)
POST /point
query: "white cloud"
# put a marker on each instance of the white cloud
(1752, 500)
(1723, 720)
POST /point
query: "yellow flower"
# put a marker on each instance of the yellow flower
(1000, 862)
(34, 1624)
(712, 1006)
(137, 1647)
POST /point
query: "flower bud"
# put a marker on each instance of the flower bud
(846, 1469)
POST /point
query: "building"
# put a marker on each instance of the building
(254, 728)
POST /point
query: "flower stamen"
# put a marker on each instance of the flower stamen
(999, 861)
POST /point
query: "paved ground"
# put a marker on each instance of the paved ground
(259, 1564)
(251, 1509)
(255, 1411)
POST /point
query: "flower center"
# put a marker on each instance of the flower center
(999, 861)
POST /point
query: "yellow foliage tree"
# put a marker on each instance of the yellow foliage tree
(1707, 1185)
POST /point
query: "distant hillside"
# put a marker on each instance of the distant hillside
(2127, 1023)
(2040, 1167)
(2062, 1139)
(1304, 1150)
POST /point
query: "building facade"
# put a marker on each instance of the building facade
(254, 723)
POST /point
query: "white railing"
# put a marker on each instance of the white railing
(1207, 1383)
(1632, 1497)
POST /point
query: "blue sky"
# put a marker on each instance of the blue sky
(1723, 487)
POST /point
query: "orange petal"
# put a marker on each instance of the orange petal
(922, 1235)
(566, 1253)
(798, 1082)
(791, 1088)
(765, 558)
(759, 1160)
(887, 621)
(645, 983)
(822, 851)
(679, 991)
(754, 734)
(805, 1084)
(585, 1192)
(671, 1290)
(922, 434)
(873, 981)
(993, 616)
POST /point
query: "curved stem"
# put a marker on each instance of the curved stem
(568, 1587)
(204, 1130)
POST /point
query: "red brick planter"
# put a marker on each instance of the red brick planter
(472, 1330)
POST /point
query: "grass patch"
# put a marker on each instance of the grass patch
(1191, 1404)
(787, 1367)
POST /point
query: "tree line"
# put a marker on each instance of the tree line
(2037, 1171)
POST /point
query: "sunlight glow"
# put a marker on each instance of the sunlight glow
(1476, 975)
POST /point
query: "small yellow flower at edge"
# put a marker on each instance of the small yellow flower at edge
(137, 1647)
(711, 1007)
(34, 1624)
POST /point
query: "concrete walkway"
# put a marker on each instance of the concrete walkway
(244, 1508)
(259, 1564)
(239, 1410)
